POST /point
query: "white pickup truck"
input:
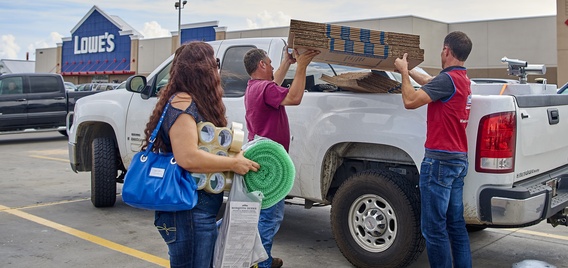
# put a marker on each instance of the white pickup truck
(360, 152)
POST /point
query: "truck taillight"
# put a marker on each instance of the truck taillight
(495, 152)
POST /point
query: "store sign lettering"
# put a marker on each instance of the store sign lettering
(94, 44)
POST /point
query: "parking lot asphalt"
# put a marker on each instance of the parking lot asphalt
(47, 220)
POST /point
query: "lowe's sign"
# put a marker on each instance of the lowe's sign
(98, 45)
(94, 44)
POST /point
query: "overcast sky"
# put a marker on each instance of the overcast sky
(27, 25)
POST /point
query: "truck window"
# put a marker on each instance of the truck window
(44, 84)
(234, 76)
(11, 85)
(315, 71)
(162, 79)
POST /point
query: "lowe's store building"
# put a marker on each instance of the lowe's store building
(104, 48)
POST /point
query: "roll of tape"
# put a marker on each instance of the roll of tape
(206, 132)
(200, 180)
(224, 137)
(215, 183)
(236, 125)
(228, 182)
(220, 152)
(203, 148)
(238, 140)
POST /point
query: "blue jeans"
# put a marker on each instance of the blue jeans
(268, 225)
(190, 236)
(442, 221)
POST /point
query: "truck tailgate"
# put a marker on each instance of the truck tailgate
(542, 123)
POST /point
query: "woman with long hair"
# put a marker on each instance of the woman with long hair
(195, 95)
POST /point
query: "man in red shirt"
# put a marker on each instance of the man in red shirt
(445, 164)
(266, 117)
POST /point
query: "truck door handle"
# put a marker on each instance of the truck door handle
(20, 100)
(59, 98)
(553, 116)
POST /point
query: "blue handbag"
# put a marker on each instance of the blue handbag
(154, 181)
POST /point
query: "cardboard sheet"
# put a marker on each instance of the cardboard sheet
(356, 47)
(364, 82)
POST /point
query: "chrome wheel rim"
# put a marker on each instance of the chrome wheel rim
(372, 223)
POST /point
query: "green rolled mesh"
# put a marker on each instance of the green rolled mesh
(275, 177)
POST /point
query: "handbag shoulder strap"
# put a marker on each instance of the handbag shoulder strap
(155, 132)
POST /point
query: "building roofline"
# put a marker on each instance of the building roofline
(399, 17)
(213, 23)
(117, 21)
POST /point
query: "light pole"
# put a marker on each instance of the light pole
(179, 6)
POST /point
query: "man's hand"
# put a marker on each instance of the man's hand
(401, 65)
(305, 58)
(411, 98)
(288, 58)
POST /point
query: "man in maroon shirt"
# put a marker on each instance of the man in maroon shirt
(266, 117)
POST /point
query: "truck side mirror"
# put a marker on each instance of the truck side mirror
(136, 83)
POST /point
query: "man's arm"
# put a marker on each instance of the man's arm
(419, 77)
(411, 98)
(287, 60)
(296, 92)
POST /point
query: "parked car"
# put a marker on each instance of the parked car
(70, 86)
(35, 101)
(121, 85)
(97, 86)
(104, 86)
(85, 87)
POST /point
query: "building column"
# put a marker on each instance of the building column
(59, 55)
(175, 41)
(134, 47)
(220, 33)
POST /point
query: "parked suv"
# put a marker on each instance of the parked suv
(35, 101)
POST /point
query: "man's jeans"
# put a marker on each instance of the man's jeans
(268, 225)
(190, 236)
(442, 221)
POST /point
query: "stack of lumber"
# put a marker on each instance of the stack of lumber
(365, 82)
(356, 47)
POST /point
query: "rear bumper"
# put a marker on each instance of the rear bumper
(528, 202)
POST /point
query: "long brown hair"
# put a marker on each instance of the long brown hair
(194, 71)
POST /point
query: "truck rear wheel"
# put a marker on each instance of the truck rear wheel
(375, 220)
(104, 172)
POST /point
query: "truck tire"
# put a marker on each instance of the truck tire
(104, 172)
(375, 220)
